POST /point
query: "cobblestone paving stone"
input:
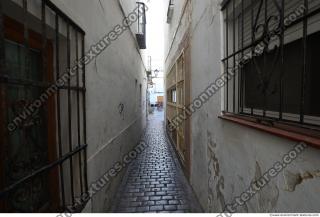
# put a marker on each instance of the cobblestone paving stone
(155, 181)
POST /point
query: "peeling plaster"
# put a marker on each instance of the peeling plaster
(292, 180)
(267, 197)
(218, 144)
(220, 196)
(244, 207)
(216, 200)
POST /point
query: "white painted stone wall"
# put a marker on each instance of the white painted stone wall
(112, 79)
(226, 157)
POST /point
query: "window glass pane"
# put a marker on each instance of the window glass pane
(28, 145)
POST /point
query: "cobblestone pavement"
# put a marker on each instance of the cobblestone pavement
(155, 181)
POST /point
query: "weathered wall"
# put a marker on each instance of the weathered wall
(175, 31)
(113, 79)
(226, 157)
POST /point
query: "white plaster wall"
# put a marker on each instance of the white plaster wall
(173, 34)
(238, 152)
(113, 78)
(175, 30)
(226, 157)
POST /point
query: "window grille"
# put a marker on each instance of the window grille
(272, 47)
(43, 162)
(141, 35)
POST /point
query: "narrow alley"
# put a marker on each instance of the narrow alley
(155, 181)
(159, 106)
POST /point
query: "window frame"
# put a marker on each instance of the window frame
(141, 25)
(305, 129)
(170, 11)
(176, 81)
(15, 31)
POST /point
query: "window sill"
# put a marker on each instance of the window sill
(295, 133)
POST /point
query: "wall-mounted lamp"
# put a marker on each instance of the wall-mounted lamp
(156, 73)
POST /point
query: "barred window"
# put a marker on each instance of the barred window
(141, 34)
(170, 11)
(42, 108)
(273, 48)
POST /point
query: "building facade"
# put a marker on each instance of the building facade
(156, 89)
(73, 101)
(240, 79)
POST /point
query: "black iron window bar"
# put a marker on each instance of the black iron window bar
(170, 11)
(141, 35)
(236, 27)
(80, 91)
